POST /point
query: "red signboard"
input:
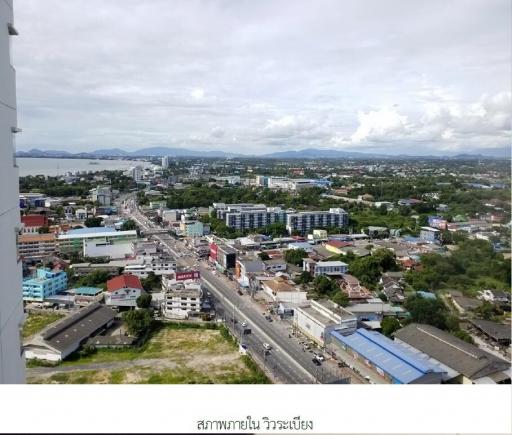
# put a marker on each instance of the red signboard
(182, 276)
(213, 251)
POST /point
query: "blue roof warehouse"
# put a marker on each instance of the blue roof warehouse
(392, 361)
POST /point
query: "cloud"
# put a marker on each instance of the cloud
(380, 125)
(197, 93)
(381, 75)
(217, 132)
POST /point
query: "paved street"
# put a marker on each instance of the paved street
(288, 362)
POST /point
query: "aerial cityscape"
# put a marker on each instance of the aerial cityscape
(261, 216)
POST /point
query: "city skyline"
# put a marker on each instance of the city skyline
(261, 78)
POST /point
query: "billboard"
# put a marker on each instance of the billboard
(182, 276)
(213, 251)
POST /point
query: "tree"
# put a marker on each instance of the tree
(44, 230)
(93, 222)
(144, 300)
(137, 321)
(304, 278)
(295, 256)
(425, 310)
(389, 325)
(152, 281)
(340, 298)
(263, 256)
(129, 225)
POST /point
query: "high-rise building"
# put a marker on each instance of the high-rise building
(165, 162)
(12, 364)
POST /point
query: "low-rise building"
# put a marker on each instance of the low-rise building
(429, 234)
(275, 265)
(463, 363)
(62, 339)
(393, 362)
(123, 291)
(375, 310)
(182, 299)
(498, 333)
(45, 284)
(351, 286)
(318, 318)
(31, 223)
(280, 290)
(321, 268)
(158, 266)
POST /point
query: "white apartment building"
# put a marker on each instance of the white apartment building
(182, 299)
(12, 364)
(305, 221)
(102, 195)
(165, 162)
(156, 265)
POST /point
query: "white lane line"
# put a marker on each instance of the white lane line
(233, 306)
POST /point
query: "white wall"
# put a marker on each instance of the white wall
(115, 251)
(12, 364)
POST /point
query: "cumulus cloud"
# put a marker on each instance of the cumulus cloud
(380, 125)
(197, 93)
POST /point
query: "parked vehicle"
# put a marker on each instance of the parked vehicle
(267, 346)
(316, 362)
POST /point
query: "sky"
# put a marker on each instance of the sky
(255, 77)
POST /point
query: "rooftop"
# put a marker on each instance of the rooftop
(463, 357)
(124, 281)
(78, 326)
(393, 358)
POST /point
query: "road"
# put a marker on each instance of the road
(288, 362)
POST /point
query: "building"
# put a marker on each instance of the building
(223, 256)
(429, 234)
(33, 222)
(375, 310)
(123, 291)
(106, 248)
(496, 332)
(36, 246)
(336, 246)
(73, 240)
(321, 268)
(245, 267)
(392, 361)
(305, 221)
(462, 362)
(280, 290)
(61, 340)
(194, 228)
(45, 284)
(12, 365)
(318, 236)
(158, 266)
(165, 162)
(275, 265)
(102, 195)
(351, 286)
(317, 319)
(248, 218)
(136, 173)
(182, 299)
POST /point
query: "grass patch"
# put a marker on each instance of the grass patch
(36, 322)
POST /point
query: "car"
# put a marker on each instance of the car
(244, 324)
(319, 357)
(267, 346)
(316, 362)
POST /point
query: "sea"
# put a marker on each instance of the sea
(54, 167)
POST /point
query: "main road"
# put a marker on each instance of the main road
(287, 361)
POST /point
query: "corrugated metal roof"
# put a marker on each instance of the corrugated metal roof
(391, 357)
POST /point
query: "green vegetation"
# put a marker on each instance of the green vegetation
(144, 300)
(138, 322)
(36, 322)
(152, 282)
(389, 325)
(473, 266)
(93, 222)
(175, 353)
(295, 256)
(369, 269)
(129, 225)
(263, 256)
(98, 278)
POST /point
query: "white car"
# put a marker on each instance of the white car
(267, 346)
(244, 324)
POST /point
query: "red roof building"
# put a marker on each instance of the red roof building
(124, 281)
(32, 222)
